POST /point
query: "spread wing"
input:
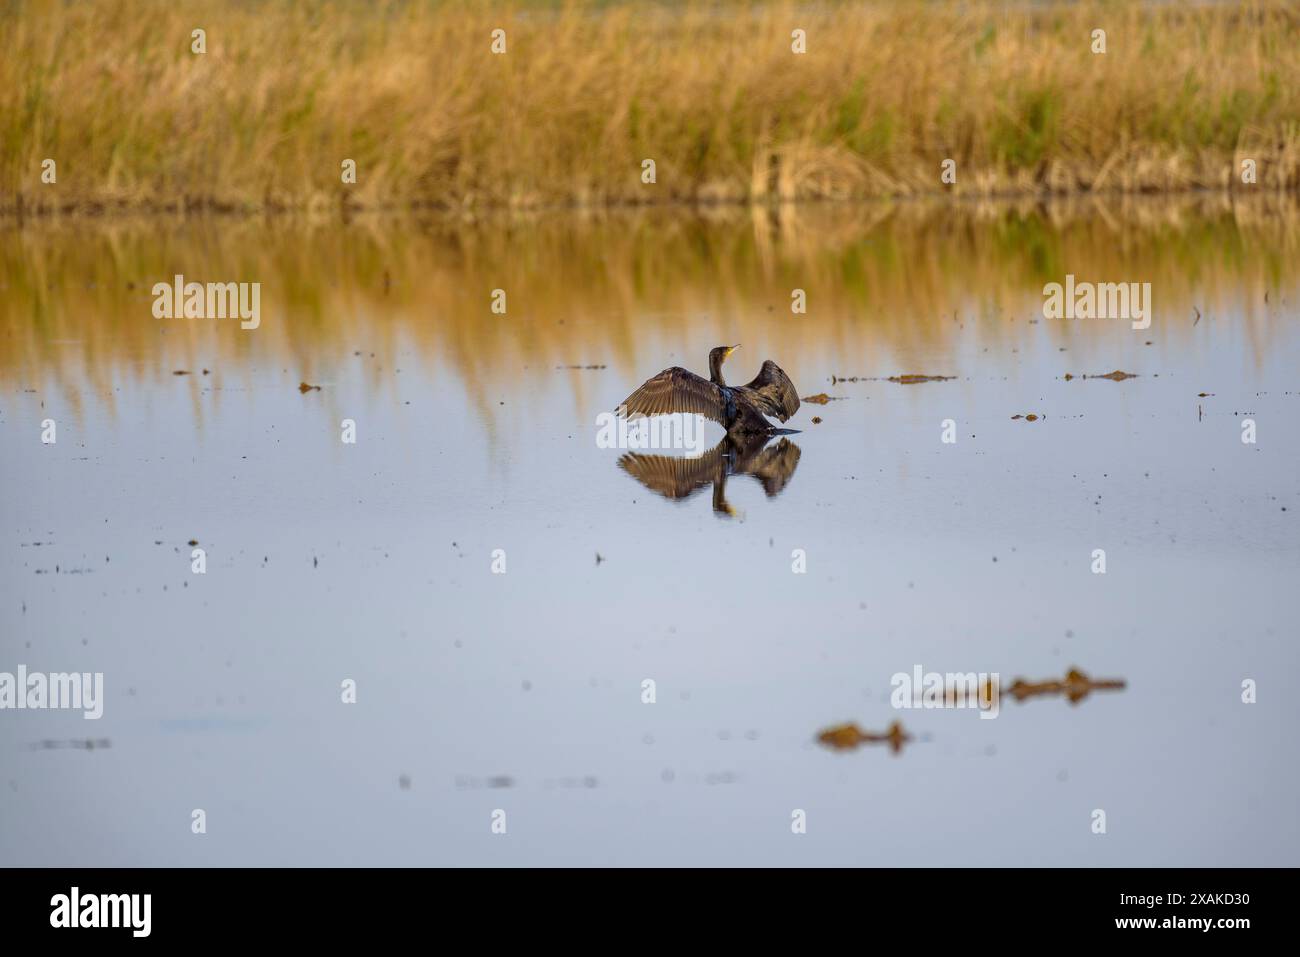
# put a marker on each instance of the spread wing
(773, 392)
(679, 390)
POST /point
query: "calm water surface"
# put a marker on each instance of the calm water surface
(523, 691)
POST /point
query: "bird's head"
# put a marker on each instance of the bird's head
(720, 354)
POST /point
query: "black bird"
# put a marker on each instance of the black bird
(739, 408)
(678, 478)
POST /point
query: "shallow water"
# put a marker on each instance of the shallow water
(523, 691)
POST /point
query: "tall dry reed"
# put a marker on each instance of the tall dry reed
(585, 93)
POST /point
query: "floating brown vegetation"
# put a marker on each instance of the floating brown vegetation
(1031, 417)
(413, 94)
(1115, 376)
(305, 388)
(816, 420)
(821, 398)
(912, 379)
(1076, 686)
(846, 737)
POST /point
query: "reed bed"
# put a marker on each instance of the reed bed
(584, 94)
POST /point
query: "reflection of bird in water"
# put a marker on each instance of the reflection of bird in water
(678, 477)
(739, 408)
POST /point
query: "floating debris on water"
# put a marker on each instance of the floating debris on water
(304, 387)
(910, 378)
(1076, 686)
(846, 737)
(1116, 376)
(1031, 417)
(913, 379)
(821, 398)
(816, 420)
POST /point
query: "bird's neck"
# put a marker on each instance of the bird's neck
(715, 372)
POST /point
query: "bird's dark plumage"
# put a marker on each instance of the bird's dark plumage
(676, 390)
(739, 409)
(773, 392)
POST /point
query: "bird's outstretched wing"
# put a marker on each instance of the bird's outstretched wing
(678, 390)
(772, 392)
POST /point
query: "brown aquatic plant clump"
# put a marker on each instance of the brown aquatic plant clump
(1076, 686)
(267, 116)
(846, 737)
(821, 398)
(1115, 376)
(912, 379)
(304, 387)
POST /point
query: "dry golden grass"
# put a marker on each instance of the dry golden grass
(411, 91)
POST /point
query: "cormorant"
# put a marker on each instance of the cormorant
(739, 408)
